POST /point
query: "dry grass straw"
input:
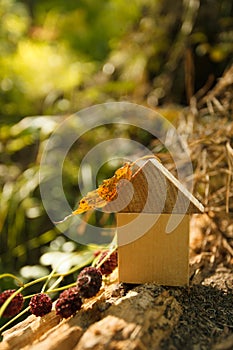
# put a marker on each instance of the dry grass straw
(208, 127)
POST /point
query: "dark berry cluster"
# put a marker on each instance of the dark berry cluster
(15, 305)
(109, 263)
(68, 303)
(89, 282)
(40, 304)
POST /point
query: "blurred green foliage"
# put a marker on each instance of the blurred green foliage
(57, 57)
(49, 49)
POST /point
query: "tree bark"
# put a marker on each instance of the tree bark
(138, 320)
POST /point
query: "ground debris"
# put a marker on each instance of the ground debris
(207, 316)
(138, 320)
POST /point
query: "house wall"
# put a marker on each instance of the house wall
(152, 255)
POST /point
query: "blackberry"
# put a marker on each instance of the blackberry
(89, 282)
(68, 303)
(15, 305)
(40, 304)
(109, 264)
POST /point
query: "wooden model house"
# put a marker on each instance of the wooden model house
(153, 228)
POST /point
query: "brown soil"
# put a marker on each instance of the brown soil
(206, 321)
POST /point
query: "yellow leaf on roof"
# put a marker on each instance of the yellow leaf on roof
(106, 192)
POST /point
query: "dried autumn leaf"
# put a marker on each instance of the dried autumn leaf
(106, 192)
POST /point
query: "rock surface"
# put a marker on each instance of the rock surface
(137, 318)
(112, 320)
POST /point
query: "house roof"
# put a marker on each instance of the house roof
(153, 189)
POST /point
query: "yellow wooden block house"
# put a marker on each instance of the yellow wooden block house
(153, 227)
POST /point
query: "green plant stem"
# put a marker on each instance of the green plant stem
(51, 289)
(57, 282)
(14, 318)
(61, 288)
(12, 276)
(49, 279)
